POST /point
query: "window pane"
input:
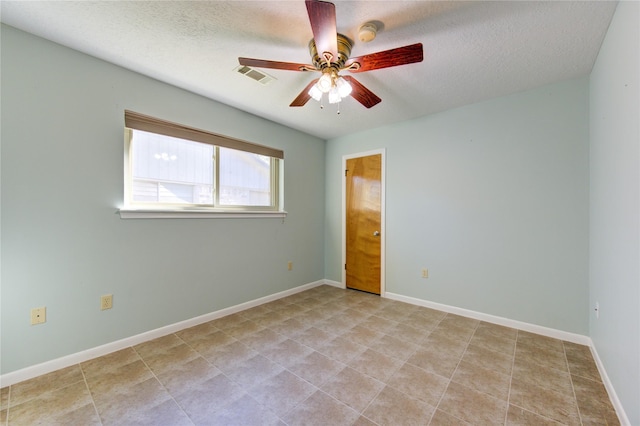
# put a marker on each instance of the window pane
(171, 170)
(245, 178)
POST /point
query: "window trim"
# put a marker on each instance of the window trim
(137, 121)
(129, 213)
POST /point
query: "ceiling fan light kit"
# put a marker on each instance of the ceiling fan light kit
(331, 83)
(330, 54)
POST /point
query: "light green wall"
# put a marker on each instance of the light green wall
(63, 245)
(615, 205)
(492, 198)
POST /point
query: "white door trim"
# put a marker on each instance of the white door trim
(383, 234)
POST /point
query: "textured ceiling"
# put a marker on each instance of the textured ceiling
(473, 50)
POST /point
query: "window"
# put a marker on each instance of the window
(174, 168)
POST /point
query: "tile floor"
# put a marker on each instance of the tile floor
(325, 356)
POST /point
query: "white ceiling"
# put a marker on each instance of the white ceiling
(473, 50)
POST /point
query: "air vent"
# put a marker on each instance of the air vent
(254, 74)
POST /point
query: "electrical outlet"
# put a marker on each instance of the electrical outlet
(289, 266)
(106, 302)
(597, 309)
(38, 315)
(425, 273)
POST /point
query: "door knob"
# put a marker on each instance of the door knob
(376, 234)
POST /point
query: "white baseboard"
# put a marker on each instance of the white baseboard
(615, 401)
(533, 328)
(334, 284)
(78, 357)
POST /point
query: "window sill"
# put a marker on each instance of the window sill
(197, 214)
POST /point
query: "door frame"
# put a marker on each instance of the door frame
(383, 234)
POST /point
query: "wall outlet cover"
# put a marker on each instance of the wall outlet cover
(38, 315)
(106, 302)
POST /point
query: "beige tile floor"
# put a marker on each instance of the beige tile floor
(325, 356)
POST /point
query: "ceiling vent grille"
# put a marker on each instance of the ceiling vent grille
(254, 74)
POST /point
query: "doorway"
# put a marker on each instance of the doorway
(363, 222)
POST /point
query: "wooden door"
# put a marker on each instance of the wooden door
(363, 223)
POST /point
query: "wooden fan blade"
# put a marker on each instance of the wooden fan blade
(263, 63)
(322, 16)
(304, 96)
(388, 58)
(361, 94)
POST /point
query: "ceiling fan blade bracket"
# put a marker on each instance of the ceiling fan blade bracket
(354, 66)
(328, 58)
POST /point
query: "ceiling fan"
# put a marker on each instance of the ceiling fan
(330, 55)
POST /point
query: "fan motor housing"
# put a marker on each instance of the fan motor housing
(344, 50)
